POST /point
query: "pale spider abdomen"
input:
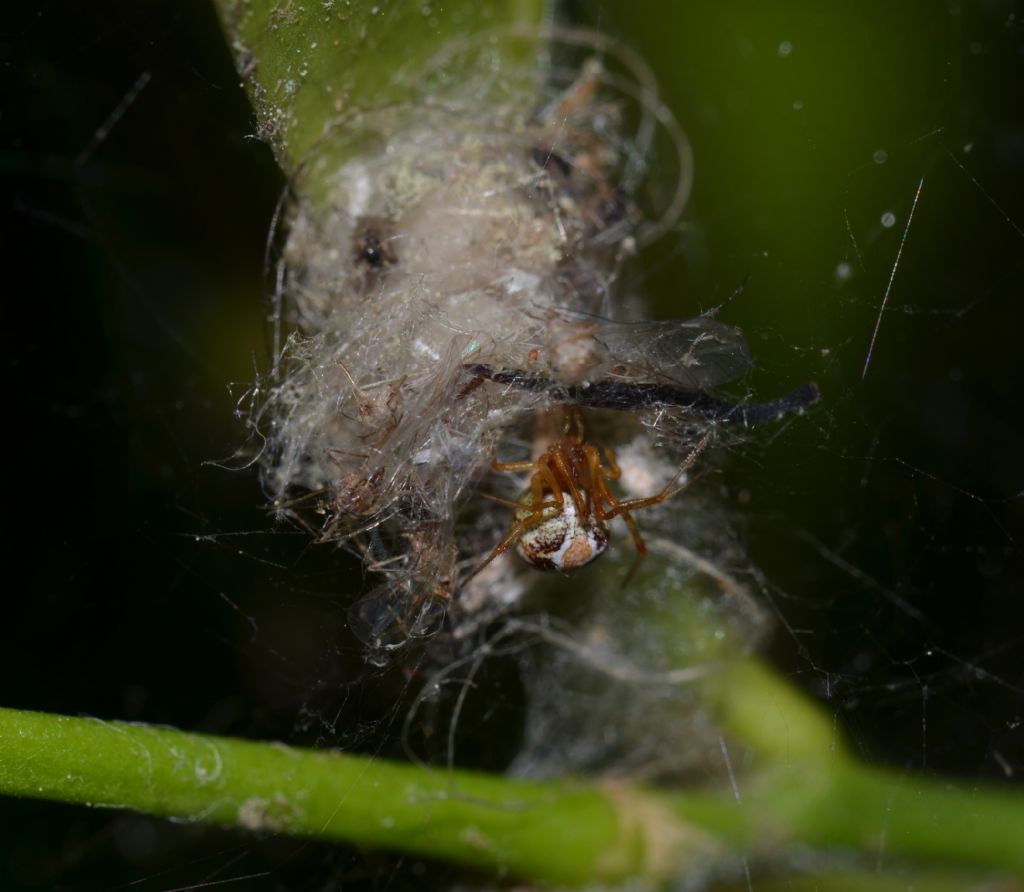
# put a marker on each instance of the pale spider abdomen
(562, 539)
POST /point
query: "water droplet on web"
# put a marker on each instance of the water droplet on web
(888, 219)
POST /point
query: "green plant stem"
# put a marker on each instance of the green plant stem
(877, 880)
(307, 66)
(801, 782)
(559, 831)
(872, 811)
(890, 814)
(772, 717)
(805, 785)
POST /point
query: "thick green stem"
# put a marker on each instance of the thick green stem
(308, 67)
(557, 831)
(845, 806)
(804, 786)
(896, 815)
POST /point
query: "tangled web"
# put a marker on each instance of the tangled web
(871, 546)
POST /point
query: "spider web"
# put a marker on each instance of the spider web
(862, 169)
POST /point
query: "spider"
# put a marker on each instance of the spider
(561, 522)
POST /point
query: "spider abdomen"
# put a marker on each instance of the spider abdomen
(561, 539)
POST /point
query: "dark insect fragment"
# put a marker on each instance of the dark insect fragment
(372, 249)
(635, 396)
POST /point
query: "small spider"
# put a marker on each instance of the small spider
(561, 522)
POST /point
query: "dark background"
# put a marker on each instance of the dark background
(145, 584)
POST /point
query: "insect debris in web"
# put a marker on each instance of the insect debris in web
(672, 364)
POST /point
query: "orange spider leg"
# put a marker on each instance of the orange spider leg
(503, 546)
(670, 489)
(614, 471)
(508, 503)
(596, 471)
(564, 468)
(543, 476)
(622, 508)
(603, 494)
(517, 466)
(638, 541)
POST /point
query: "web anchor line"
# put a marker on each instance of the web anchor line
(633, 396)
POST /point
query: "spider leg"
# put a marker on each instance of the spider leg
(638, 541)
(621, 508)
(613, 470)
(499, 549)
(601, 493)
(493, 498)
(603, 496)
(597, 474)
(510, 539)
(516, 466)
(671, 488)
(565, 470)
(542, 476)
